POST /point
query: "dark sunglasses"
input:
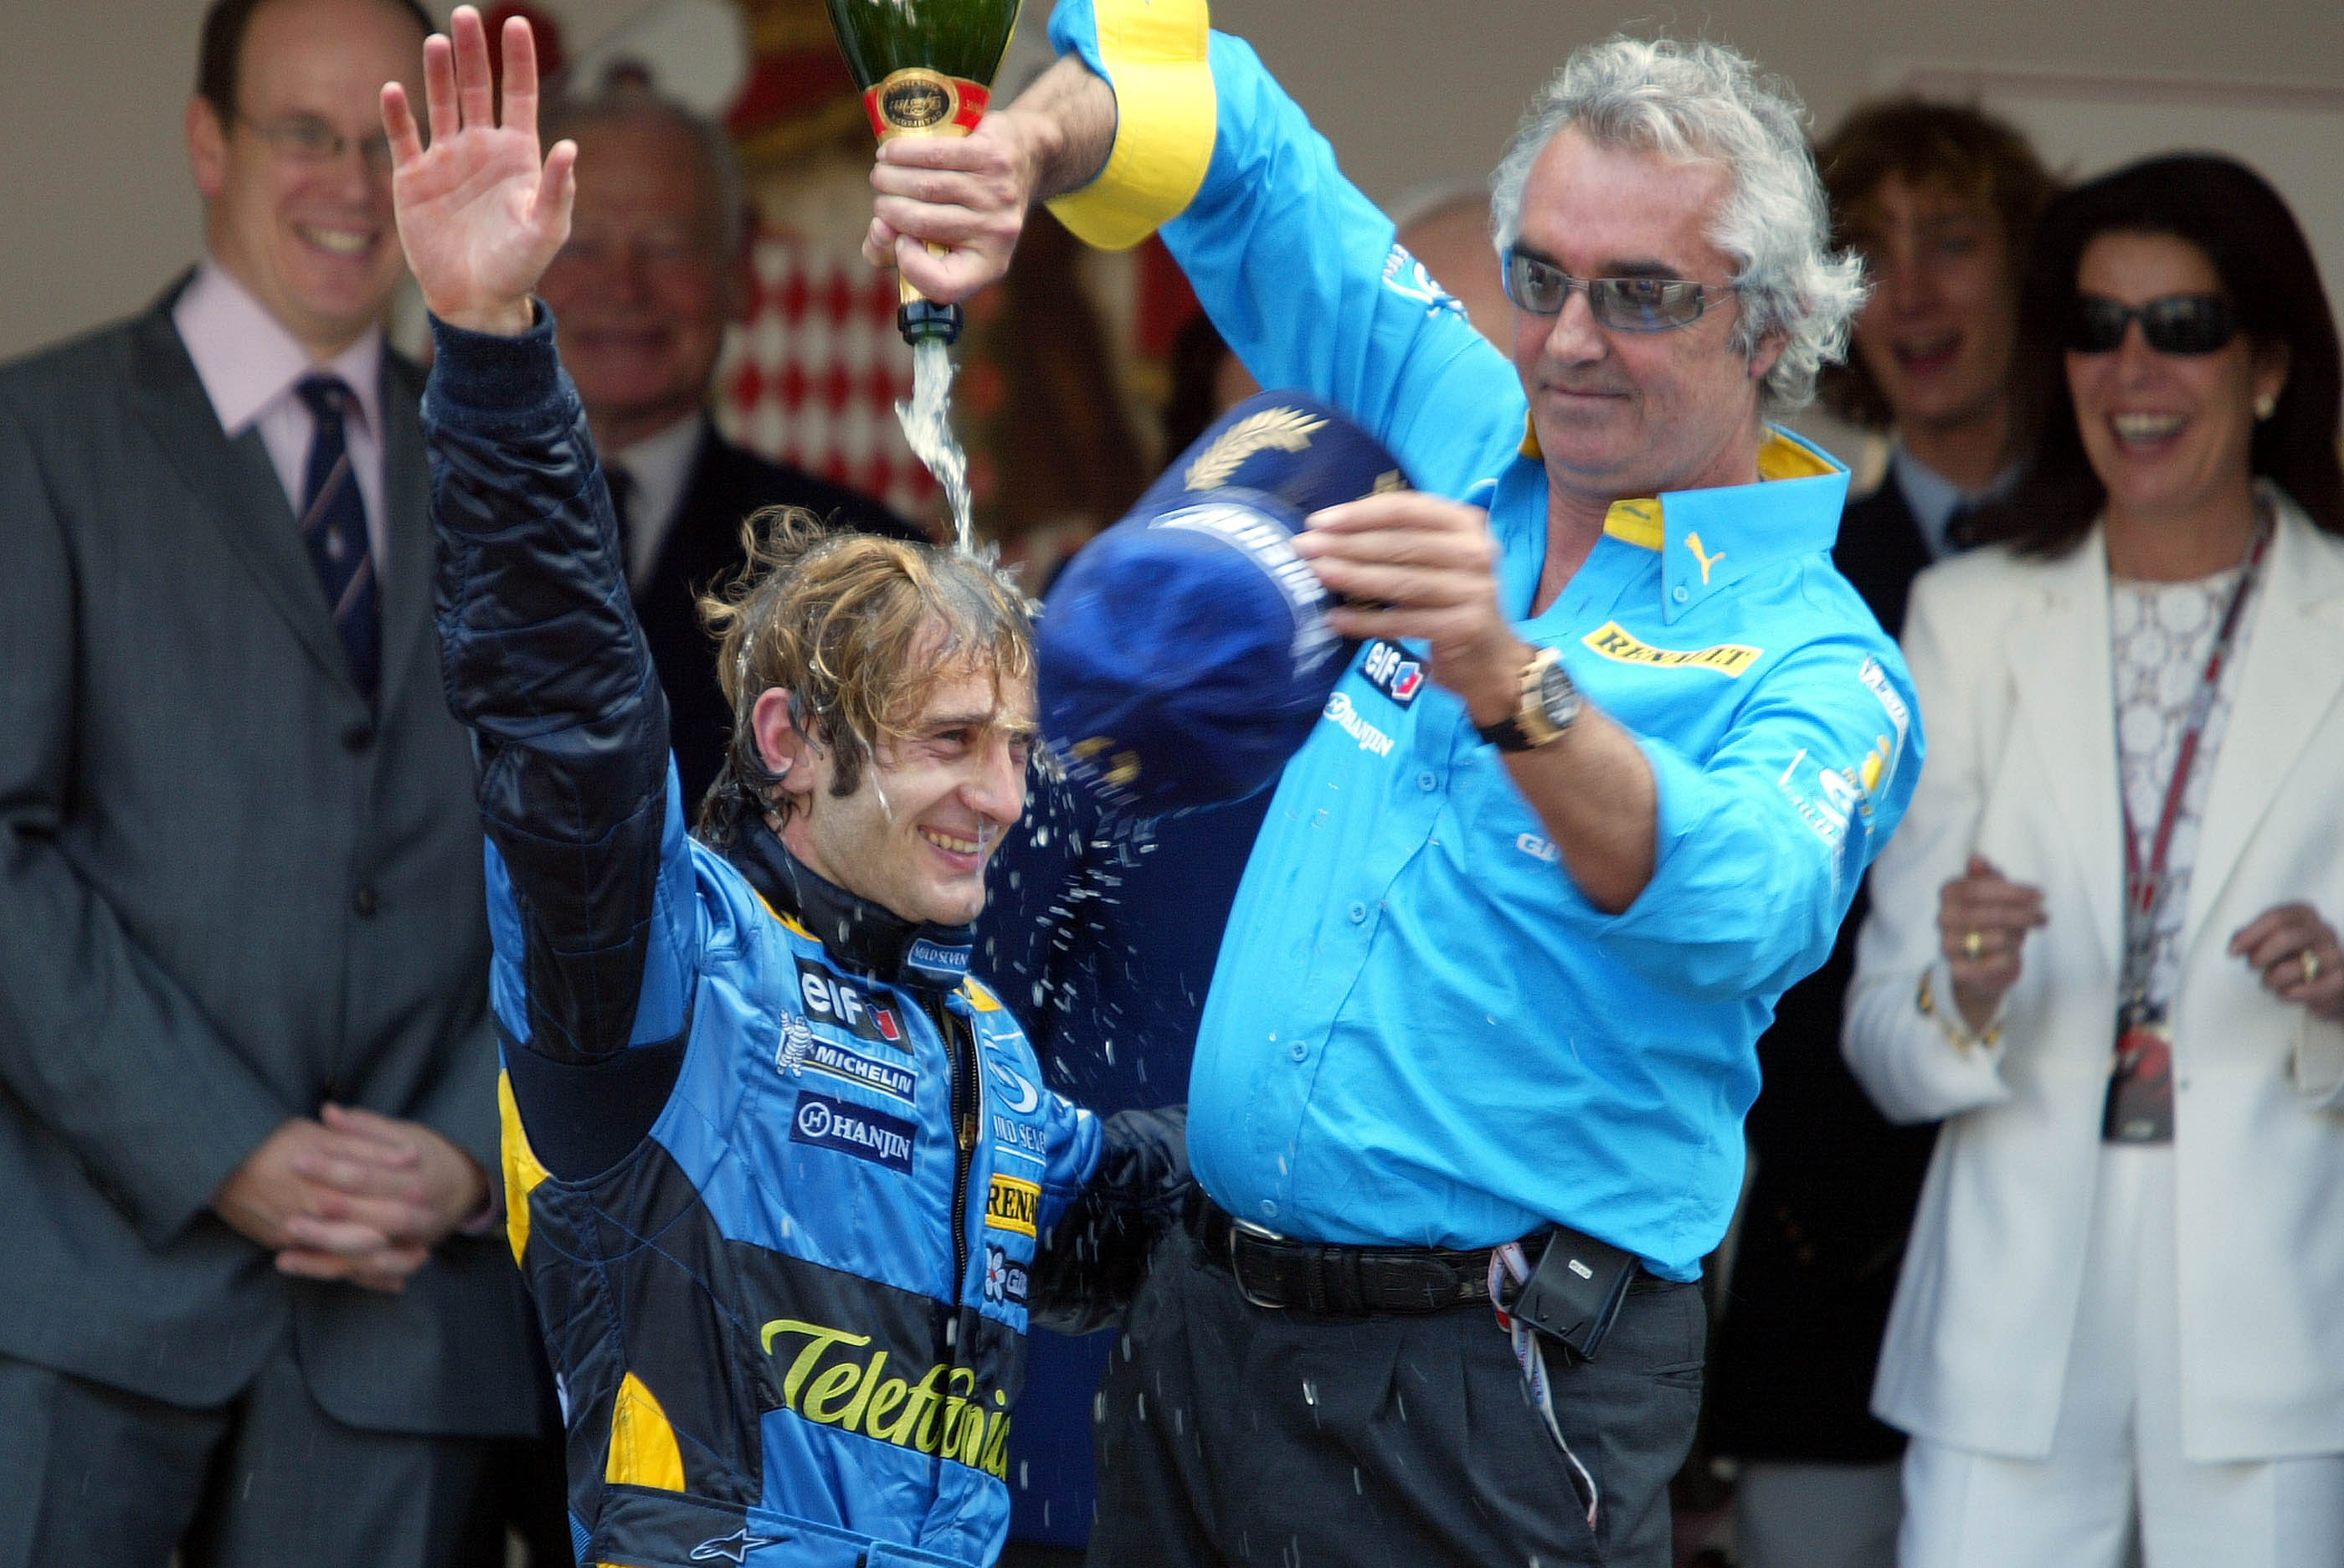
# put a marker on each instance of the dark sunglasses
(1623, 304)
(2174, 324)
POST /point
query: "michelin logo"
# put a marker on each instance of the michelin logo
(1346, 718)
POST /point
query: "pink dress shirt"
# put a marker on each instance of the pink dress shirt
(249, 364)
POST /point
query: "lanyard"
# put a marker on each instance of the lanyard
(2145, 885)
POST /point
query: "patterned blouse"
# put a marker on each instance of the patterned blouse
(2161, 634)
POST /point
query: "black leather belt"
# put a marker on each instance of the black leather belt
(1272, 1270)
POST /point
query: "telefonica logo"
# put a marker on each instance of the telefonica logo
(835, 1380)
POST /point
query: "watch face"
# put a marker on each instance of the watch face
(1558, 695)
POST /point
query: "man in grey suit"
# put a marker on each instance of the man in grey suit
(255, 1307)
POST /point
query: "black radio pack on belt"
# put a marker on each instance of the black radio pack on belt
(1575, 1291)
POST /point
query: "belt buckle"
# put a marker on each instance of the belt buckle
(1245, 1293)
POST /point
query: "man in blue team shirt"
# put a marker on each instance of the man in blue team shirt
(1494, 975)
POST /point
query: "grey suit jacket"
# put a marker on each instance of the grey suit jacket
(227, 894)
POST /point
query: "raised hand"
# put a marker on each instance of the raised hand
(479, 217)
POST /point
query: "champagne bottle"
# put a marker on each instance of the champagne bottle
(926, 68)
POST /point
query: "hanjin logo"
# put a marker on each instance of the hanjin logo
(827, 1123)
(830, 999)
(1346, 718)
(1391, 670)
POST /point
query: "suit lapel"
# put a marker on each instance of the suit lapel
(2292, 674)
(235, 483)
(2057, 654)
(407, 531)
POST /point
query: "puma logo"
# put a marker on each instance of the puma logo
(1693, 542)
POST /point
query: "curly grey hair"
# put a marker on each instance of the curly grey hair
(1704, 101)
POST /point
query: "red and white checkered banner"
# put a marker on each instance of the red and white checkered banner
(813, 376)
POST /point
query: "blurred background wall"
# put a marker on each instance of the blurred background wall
(99, 213)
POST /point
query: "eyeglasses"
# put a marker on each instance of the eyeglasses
(1623, 304)
(306, 139)
(2173, 324)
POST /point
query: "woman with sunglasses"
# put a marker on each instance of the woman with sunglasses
(2103, 948)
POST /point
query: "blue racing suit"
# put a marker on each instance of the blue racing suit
(777, 1170)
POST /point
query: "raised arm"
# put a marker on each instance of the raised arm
(1153, 120)
(541, 650)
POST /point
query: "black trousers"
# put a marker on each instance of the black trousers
(93, 1475)
(1228, 1434)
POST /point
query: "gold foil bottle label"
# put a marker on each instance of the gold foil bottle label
(918, 102)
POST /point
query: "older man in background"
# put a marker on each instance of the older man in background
(656, 267)
(250, 1068)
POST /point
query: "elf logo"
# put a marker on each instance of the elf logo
(1392, 671)
(841, 1003)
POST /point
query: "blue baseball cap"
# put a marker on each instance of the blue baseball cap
(1183, 654)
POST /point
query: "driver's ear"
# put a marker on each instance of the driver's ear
(781, 744)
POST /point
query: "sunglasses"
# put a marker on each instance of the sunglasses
(1622, 304)
(2174, 324)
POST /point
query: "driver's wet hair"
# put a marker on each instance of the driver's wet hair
(860, 630)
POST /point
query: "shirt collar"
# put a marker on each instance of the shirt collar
(660, 466)
(1933, 499)
(1709, 538)
(248, 360)
(857, 934)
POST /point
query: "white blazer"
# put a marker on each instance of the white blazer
(2010, 658)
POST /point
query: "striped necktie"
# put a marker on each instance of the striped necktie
(333, 525)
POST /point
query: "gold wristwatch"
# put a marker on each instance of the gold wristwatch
(1549, 706)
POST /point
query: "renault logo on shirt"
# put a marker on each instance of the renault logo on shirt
(1013, 1203)
(1616, 642)
(831, 1000)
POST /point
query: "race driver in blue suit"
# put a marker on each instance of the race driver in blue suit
(1600, 784)
(781, 1174)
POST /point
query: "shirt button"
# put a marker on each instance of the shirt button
(1359, 911)
(1425, 780)
(1679, 594)
(1268, 1210)
(1299, 1050)
(358, 737)
(366, 902)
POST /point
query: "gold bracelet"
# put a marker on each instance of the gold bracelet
(1949, 1021)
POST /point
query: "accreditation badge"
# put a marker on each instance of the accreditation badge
(2140, 1087)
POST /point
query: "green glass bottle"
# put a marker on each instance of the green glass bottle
(926, 68)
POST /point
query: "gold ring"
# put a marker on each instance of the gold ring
(2311, 962)
(1974, 944)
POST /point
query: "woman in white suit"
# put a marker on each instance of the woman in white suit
(2121, 1315)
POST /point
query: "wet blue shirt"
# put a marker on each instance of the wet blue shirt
(1419, 1030)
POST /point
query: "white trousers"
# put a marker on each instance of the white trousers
(2115, 1489)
